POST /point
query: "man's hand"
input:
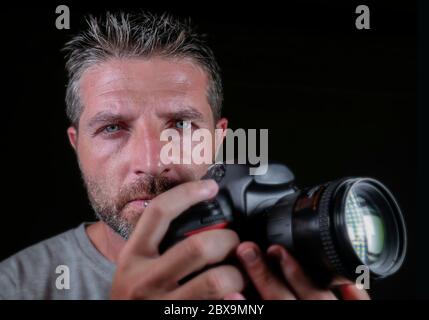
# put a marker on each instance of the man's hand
(295, 285)
(142, 273)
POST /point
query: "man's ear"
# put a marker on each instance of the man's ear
(72, 134)
(220, 132)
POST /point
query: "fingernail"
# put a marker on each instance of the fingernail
(249, 255)
(234, 296)
(209, 186)
(278, 254)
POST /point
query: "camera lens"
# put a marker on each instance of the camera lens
(370, 220)
(364, 222)
(336, 227)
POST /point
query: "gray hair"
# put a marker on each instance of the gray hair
(137, 35)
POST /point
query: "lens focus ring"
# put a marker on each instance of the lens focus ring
(328, 243)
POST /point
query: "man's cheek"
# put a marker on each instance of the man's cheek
(100, 159)
(101, 148)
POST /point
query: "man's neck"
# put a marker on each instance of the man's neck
(108, 242)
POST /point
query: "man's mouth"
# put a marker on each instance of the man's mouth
(140, 202)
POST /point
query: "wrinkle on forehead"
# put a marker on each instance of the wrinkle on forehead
(144, 82)
(175, 75)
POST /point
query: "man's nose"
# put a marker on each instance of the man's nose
(145, 150)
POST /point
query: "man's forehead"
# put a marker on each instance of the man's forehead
(132, 83)
(155, 75)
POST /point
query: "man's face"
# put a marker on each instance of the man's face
(127, 104)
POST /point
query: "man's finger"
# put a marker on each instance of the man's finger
(153, 224)
(296, 278)
(196, 252)
(269, 286)
(351, 292)
(213, 284)
(234, 296)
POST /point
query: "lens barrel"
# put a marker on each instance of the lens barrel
(334, 228)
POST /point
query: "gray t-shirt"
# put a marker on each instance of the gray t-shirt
(40, 271)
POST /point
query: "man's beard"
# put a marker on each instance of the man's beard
(113, 210)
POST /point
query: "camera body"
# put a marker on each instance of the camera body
(241, 198)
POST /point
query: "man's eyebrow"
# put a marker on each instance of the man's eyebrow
(104, 116)
(185, 113)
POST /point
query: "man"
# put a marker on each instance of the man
(132, 76)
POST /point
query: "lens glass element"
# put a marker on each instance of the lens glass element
(364, 210)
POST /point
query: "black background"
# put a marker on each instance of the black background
(337, 102)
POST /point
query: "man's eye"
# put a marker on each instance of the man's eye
(112, 128)
(183, 124)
